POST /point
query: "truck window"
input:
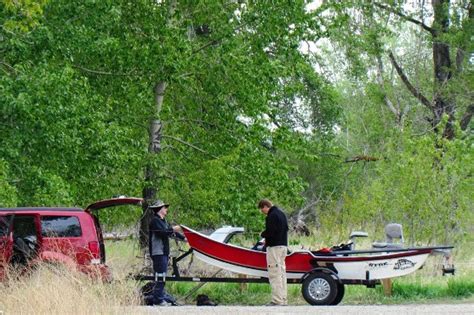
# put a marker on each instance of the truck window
(60, 226)
(5, 221)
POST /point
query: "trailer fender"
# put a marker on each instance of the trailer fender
(325, 270)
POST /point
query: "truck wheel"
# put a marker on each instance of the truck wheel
(340, 294)
(319, 288)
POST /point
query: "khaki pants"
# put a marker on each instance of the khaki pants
(277, 273)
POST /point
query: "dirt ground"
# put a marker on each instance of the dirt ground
(463, 308)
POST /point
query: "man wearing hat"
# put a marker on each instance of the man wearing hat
(160, 232)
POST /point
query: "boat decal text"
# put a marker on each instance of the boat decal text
(403, 264)
(378, 265)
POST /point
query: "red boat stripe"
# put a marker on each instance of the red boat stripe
(240, 265)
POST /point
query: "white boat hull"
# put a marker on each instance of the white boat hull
(350, 270)
(380, 268)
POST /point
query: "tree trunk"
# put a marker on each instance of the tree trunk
(154, 147)
(442, 68)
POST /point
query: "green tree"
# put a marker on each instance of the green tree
(8, 193)
(372, 34)
(212, 87)
(386, 58)
(423, 182)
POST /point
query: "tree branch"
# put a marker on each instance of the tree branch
(466, 118)
(189, 145)
(10, 68)
(212, 42)
(364, 158)
(408, 84)
(182, 154)
(459, 60)
(197, 121)
(17, 35)
(99, 72)
(381, 82)
(406, 17)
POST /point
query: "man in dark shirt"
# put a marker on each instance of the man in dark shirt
(160, 232)
(276, 241)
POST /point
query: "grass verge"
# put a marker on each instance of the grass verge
(452, 291)
(57, 290)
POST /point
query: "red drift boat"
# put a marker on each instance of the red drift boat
(323, 273)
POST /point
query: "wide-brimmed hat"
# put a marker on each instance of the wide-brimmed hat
(157, 204)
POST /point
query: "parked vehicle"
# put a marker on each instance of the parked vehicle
(67, 236)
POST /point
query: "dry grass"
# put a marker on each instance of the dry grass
(55, 290)
(58, 290)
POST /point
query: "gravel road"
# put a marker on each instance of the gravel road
(463, 308)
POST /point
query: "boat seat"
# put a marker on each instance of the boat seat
(393, 237)
(355, 235)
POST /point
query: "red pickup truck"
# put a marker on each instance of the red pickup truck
(69, 236)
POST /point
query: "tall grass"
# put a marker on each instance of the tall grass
(57, 290)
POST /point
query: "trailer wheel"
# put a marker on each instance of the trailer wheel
(340, 294)
(320, 288)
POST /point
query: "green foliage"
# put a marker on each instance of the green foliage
(245, 114)
(457, 288)
(460, 288)
(22, 15)
(419, 183)
(58, 142)
(226, 190)
(8, 193)
(365, 35)
(79, 94)
(416, 291)
(49, 189)
(404, 291)
(419, 179)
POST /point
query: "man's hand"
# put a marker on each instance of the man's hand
(178, 233)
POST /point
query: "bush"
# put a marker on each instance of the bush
(8, 193)
(423, 182)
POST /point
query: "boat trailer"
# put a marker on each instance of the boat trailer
(322, 274)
